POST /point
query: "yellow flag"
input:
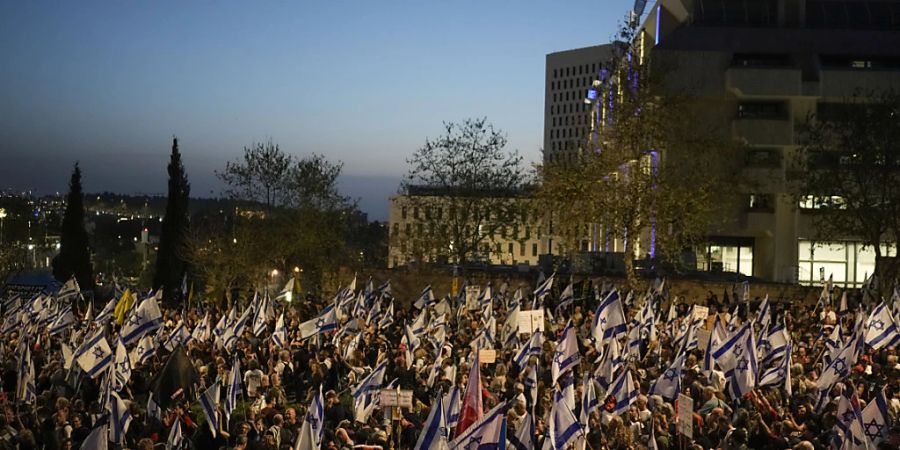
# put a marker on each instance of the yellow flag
(124, 305)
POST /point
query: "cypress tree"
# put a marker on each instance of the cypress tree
(170, 263)
(74, 256)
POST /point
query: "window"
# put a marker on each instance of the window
(396, 229)
(408, 229)
(510, 246)
(415, 212)
(440, 213)
(521, 250)
(403, 213)
(822, 202)
(534, 249)
(760, 60)
(761, 110)
(761, 203)
(763, 157)
(848, 263)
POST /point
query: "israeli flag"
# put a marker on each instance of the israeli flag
(178, 336)
(668, 385)
(566, 355)
(779, 375)
(563, 428)
(222, 324)
(566, 298)
(743, 375)
(106, 313)
(372, 382)
(849, 429)
(260, 319)
(145, 350)
(69, 289)
(452, 401)
(280, 334)
(622, 392)
(881, 328)
(589, 401)
(434, 431)
(27, 387)
(542, 291)
(388, 318)
(236, 330)
(94, 355)
(485, 433)
(327, 321)
(233, 388)
(426, 298)
(175, 437)
(509, 332)
(209, 402)
(765, 315)
(773, 344)
(123, 367)
(487, 295)
(839, 367)
(609, 320)
(201, 331)
(727, 353)
(144, 319)
(610, 363)
(532, 347)
(523, 439)
(875, 419)
(311, 432)
(120, 418)
(98, 439)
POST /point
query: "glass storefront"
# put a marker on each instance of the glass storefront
(848, 262)
(727, 256)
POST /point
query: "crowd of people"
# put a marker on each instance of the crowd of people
(667, 374)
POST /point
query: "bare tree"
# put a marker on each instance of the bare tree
(466, 188)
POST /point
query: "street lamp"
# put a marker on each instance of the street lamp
(2, 216)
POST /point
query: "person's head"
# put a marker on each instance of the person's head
(290, 416)
(277, 420)
(145, 444)
(240, 442)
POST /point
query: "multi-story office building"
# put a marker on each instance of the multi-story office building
(777, 62)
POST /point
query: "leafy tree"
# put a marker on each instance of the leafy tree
(171, 264)
(74, 258)
(655, 165)
(262, 175)
(289, 214)
(850, 171)
(467, 190)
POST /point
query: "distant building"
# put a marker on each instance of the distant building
(777, 61)
(411, 221)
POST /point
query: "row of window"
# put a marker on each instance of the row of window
(580, 119)
(853, 14)
(847, 263)
(583, 69)
(503, 232)
(569, 133)
(569, 108)
(426, 213)
(579, 83)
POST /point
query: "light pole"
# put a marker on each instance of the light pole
(2, 216)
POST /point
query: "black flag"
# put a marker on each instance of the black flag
(177, 379)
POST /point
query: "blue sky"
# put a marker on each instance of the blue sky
(363, 82)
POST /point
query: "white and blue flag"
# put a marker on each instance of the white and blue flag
(327, 321)
(434, 431)
(881, 329)
(279, 337)
(566, 355)
(179, 336)
(563, 428)
(623, 391)
(372, 382)
(119, 417)
(94, 355)
(145, 350)
(143, 319)
(232, 388)
(668, 385)
(609, 320)
(310, 436)
(876, 420)
(486, 433)
(209, 402)
(452, 403)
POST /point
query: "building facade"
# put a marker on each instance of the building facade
(778, 62)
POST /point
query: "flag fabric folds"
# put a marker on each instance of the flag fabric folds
(566, 355)
(472, 409)
(434, 431)
(209, 402)
(327, 321)
(146, 318)
(485, 433)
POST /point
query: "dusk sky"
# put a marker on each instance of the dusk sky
(363, 82)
